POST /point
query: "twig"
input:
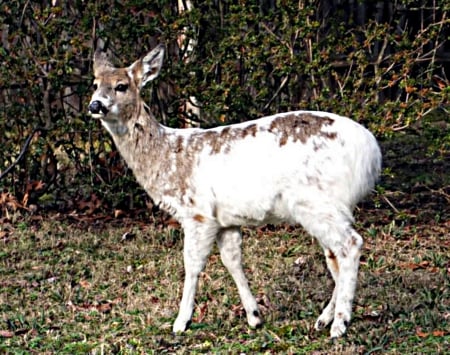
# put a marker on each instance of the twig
(283, 83)
(23, 13)
(390, 204)
(22, 153)
(440, 191)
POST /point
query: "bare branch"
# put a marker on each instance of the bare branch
(22, 152)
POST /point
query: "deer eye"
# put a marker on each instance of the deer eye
(121, 87)
(95, 86)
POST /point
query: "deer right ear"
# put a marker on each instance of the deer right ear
(101, 62)
(147, 68)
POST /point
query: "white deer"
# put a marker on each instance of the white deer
(305, 167)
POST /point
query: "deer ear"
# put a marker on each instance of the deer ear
(147, 68)
(101, 62)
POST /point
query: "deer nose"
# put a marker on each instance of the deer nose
(96, 106)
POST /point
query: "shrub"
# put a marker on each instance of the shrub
(382, 63)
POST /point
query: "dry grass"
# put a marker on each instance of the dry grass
(69, 290)
(78, 288)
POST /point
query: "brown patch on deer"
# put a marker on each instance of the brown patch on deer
(199, 218)
(330, 255)
(283, 139)
(300, 127)
(333, 260)
(221, 140)
(249, 130)
(179, 144)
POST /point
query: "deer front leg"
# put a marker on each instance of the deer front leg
(198, 242)
(229, 242)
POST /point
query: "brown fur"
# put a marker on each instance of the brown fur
(333, 261)
(199, 218)
(145, 145)
(300, 127)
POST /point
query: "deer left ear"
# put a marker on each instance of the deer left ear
(101, 62)
(147, 68)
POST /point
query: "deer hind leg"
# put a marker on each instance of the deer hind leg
(327, 314)
(342, 245)
(229, 242)
(347, 257)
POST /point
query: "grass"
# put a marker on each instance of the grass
(83, 286)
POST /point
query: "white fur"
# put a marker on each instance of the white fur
(255, 179)
(259, 182)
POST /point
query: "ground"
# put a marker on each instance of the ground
(98, 285)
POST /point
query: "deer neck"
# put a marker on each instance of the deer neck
(148, 149)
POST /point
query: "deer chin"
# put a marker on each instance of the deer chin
(114, 127)
(98, 116)
(105, 118)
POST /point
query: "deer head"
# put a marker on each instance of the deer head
(116, 98)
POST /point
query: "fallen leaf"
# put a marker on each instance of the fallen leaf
(438, 333)
(237, 310)
(421, 334)
(118, 213)
(202, 310)
(25, 199)
(91, 205)
(415, 266)
(104, 307)
(85, 284)
(435, 333)
(6, 334)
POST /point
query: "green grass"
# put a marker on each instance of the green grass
(75, 286)
(68, 290)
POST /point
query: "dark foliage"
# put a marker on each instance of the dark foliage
(383, 63)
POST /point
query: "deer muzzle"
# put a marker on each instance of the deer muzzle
(96, 108)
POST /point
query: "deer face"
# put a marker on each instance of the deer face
(116, 98)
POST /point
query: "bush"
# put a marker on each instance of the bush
(382, 63)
